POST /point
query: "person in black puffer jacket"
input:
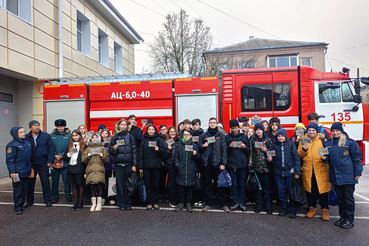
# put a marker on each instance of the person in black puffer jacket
(213, 151)
(197, 131)
(185, 157)
(169, 149)
(263, 169)
(238, 151)
(123, 148)
(150, 163)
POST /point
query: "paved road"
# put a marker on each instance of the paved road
(60, 226)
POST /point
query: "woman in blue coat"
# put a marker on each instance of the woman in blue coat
(345, 168)
(18, 161)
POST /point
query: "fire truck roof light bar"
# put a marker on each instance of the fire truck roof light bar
(120, 78)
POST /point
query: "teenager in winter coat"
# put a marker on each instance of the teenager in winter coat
(109, 168)
(169, 150)
(213, 149)
(150, 163)
(185, 157)
(263, 168)
(95, 156)
(123, 148)
(18, 162)
(314, 172)
(60, 136)
(286, 168)
(197, 131)
(238, 151)
(345, 168)
(76, 169)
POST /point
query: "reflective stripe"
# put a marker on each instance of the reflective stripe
(125, 113)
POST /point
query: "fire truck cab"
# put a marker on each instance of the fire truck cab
(291, 93)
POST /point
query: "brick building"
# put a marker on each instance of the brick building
(259, 53)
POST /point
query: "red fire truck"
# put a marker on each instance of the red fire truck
(289, 93)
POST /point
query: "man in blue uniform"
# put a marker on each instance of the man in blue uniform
(18, 162)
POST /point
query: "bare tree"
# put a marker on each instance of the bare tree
(179, 46)
(218, 61)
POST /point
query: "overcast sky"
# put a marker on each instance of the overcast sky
(341, 23)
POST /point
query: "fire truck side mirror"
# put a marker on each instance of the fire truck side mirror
(357, 86)
(357, 98)
(365, 80)
(243, 119)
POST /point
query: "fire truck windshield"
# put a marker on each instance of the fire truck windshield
(335, 92)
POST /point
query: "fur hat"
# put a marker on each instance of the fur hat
(60, 122)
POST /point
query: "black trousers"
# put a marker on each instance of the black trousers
(209, 174)
(172, 185)
(43, 172)
(314, 195)
(121, 175)
(346, 201)
(152, 179)
(185, 193)
(19, 193)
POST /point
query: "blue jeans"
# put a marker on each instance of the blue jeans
(55, 175)
(260, 195)
(284, 185)
(238, 184)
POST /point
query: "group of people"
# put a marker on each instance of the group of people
(177, 158)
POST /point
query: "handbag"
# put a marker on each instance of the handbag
(132, 184)
(333, 199)
(112, 185)
(298, 195)
(252, 183)
(198, 184)
(224, 179)
(141, 189)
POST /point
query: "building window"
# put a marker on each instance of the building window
(5, 97)
(118, 58)
(103, 48)
(282, 61)
(83, 34)
(265, 97)
(20, 8)
(306, 61)
(244, 65)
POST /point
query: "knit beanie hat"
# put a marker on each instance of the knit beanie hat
(299, 125)
(233, 123)
(281, 132)
(313, 125)
(337, 126)
(259, 126)
(102, 126)
(33, 122)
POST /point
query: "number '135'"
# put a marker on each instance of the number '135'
(341, 116)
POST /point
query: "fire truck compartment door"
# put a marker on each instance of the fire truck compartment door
(335, 105)
(73, 111)
(197, 107)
